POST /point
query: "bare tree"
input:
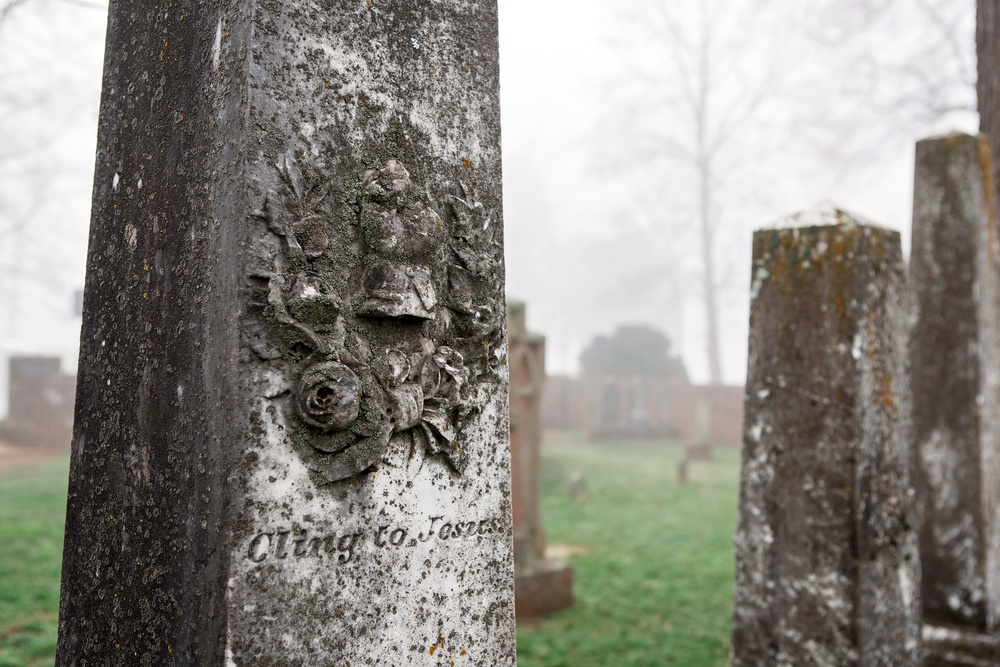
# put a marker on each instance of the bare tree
(694, 108)
(726, 103)
(40, 101)
(910, 68)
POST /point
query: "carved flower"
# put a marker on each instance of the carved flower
(329, 396)
(312, 300)
(425, 400)
(443, 376)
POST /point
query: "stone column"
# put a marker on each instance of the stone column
(542, 586)
(291, 426)
(827, 572)
(955, 356)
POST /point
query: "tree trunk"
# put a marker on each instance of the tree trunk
(708, 285)
(988, 81)
(705, 203)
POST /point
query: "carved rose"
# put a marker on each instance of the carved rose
(443, 376)
(329, 396)
(423, 256)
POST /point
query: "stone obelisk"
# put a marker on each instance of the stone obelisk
(827, 570)
(291, 424)
(955, 353)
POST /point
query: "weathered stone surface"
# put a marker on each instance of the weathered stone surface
(542, 586)
(950, 647)
(291, 434)
(827, 572)
(955, 356)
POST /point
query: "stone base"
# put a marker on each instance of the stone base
(950, 647)
(542, 588)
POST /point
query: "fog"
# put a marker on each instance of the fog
(601, 223)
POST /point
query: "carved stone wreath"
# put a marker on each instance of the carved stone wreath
(386, 331)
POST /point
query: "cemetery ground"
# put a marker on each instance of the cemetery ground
(652, 559)
(32, 507)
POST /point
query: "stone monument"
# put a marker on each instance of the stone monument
(827, 572)
(955, 353)
(542, 586)
(40, 402)
(699, 445)
(291, 426)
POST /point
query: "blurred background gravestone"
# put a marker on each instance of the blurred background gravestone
(541, 586)
(827, 569)
(955, 378)
(40, 397)
(699, 446)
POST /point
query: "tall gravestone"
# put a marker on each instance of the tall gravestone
(541, 586)
(291, 426)
(955, 352)
(827, 572)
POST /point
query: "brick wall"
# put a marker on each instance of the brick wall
(643, 408)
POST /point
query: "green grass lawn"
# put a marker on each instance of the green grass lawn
(653, 589)
(32, 507)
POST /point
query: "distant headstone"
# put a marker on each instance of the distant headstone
(682, 471)
(955, 353)
(77, 303)
(291, 440)
(702, 423)
(577, 487)
(827, 571)
(541, 586)
(40, 398)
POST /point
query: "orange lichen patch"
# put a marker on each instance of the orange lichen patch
(467, 162)
(885, 396)
(989, 196)
(434, 647)
(463, 652)
(954, 139)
